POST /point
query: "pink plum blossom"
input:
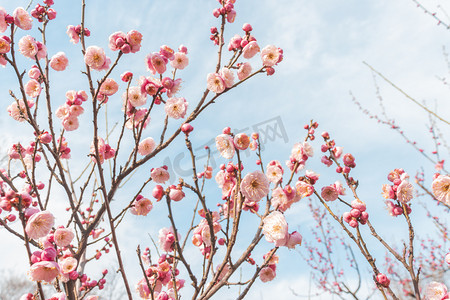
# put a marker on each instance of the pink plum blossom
(267, 274)
(294, 239)
(436, 291)
(146, 146)
(255, 186)
(134, 39)
(180, 61)
(44, 271)
(441, 188)
(329, 193)
(160, 175)
(22, 19)
(96, 59)
(72, 33)
(33, 88)
(70, 123)
(109, 87)
(68, 265)
(135, 96)
(141, 207)
(28, 46)
(59, 61)
(3, 23)
(275, 228)
(227, 76)
(215, 83)
(5, 44)
(250, 50)
(176, 107)
(241, 141)
(156, 63)
(225, 145)
(63, 236)
(270, 55)
(244, 70)
(404, 191)
(167, 239)
(40, 224)
(117, 40)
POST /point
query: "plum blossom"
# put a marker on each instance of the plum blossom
(270, 55)
(227, 76)
(3, 23)
(44, 271)
(33, 88)
(156, 63)
(180, 61)
(63, 236)
(255, 186)
(135, 96)
(267, 274)
(109, 87)
(146, 146)
(275, 228)
(59, 61)
(68, 265)
(72, 33)
(225, 145)
(404, 191)
(134, 39)
(274, 171)
(436, 291)
(329, 193)
(40, 224)
(166, 239)
(244, 70)
(28, 46)
(160, 175)
(176, 107)
(441, 188)
(241, 141)
(141, 206)
(215, 83)
(22, 19)
(250, 50)
(95, 58)
(5, 44)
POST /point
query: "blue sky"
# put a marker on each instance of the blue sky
(324, 43)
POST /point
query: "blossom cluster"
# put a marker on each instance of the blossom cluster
(71, 109)
(160, 275)
(401, 191)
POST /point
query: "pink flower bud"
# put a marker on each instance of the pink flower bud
(247, 27)
(353, 223)
(187, 128)
(51, 14)
(184, 49)
(216, 12)
(346, 217)
(49, 254)
(158, 192)
(270, 71)
(364, 216)
(355, 213)
(358, 204)
(383, 280)
(73, 275)
(46, 138)
(226, 130)
(176, 194)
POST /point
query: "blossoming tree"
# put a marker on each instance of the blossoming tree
(58, 250)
